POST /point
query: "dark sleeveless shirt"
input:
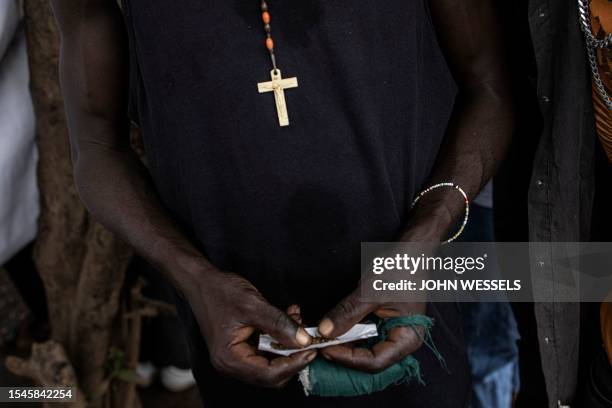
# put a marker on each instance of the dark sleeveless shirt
(287, 207)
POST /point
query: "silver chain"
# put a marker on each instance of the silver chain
(592, 44)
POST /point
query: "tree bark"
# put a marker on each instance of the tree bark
(81, 264)
(48, 365)
(63, 223)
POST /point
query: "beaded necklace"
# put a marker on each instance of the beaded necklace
(277, 84)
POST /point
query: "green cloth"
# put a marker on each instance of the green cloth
(326, 379)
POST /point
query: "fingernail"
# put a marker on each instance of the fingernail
(325, 356)
(302, 337)
(326, 327)
(311, 356)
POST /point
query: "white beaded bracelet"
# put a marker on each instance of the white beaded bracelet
(467, 205)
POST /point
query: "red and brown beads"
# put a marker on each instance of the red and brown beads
(265, 18)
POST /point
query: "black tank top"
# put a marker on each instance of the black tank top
(287, 207)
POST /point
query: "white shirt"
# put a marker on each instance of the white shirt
(19, 206)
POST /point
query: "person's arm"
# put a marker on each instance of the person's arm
(477, 137)
(117, 190)
(481, 125)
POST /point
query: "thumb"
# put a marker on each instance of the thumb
(344, 316)
(282, 327)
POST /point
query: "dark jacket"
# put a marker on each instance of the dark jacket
(562, 185)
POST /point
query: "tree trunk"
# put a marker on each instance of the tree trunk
(60, 247)
(81, 264)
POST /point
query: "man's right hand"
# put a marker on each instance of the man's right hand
(229, 309)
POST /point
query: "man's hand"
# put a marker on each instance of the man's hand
(401, 341)
(229, 309)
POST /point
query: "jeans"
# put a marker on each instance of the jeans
(496, 390)
(491, 333)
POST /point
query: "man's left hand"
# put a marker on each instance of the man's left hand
(400, 342)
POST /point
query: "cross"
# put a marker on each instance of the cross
(278, 86)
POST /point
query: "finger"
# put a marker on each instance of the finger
(344, 316)
(281, 327)
(282, 369)
(402, 341)
(389, 310)
(250, 367)
(294, 312)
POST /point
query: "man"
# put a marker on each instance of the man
(246, 216)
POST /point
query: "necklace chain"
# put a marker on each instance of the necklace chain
(265, 17)
(592, 44)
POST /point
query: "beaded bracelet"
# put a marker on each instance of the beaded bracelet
(467, 206)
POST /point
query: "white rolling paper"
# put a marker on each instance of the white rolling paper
(358, 332)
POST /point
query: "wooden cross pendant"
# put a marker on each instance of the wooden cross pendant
(278, 86)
